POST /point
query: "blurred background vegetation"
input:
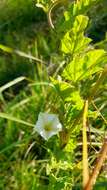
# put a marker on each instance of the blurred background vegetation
(24, 157)
(23, 26)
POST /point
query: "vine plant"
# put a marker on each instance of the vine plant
(83, 72)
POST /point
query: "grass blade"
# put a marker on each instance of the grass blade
(8, 117)
(11, 83)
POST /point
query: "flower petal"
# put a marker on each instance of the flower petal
(45, 119)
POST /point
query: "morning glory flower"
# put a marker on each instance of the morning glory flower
(48, 125)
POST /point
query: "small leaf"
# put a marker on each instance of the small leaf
(80, 23)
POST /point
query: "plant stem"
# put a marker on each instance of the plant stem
(97, 168)
(85, 147)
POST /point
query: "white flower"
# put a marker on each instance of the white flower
(48, 125)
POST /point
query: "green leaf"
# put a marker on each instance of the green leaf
(81, 6)
(75, 100)
(84, 66)
(80, 23)
(76, 8)
(68, 93)
(74, 41)
(64, 89)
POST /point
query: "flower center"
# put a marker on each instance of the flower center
(48, 127)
